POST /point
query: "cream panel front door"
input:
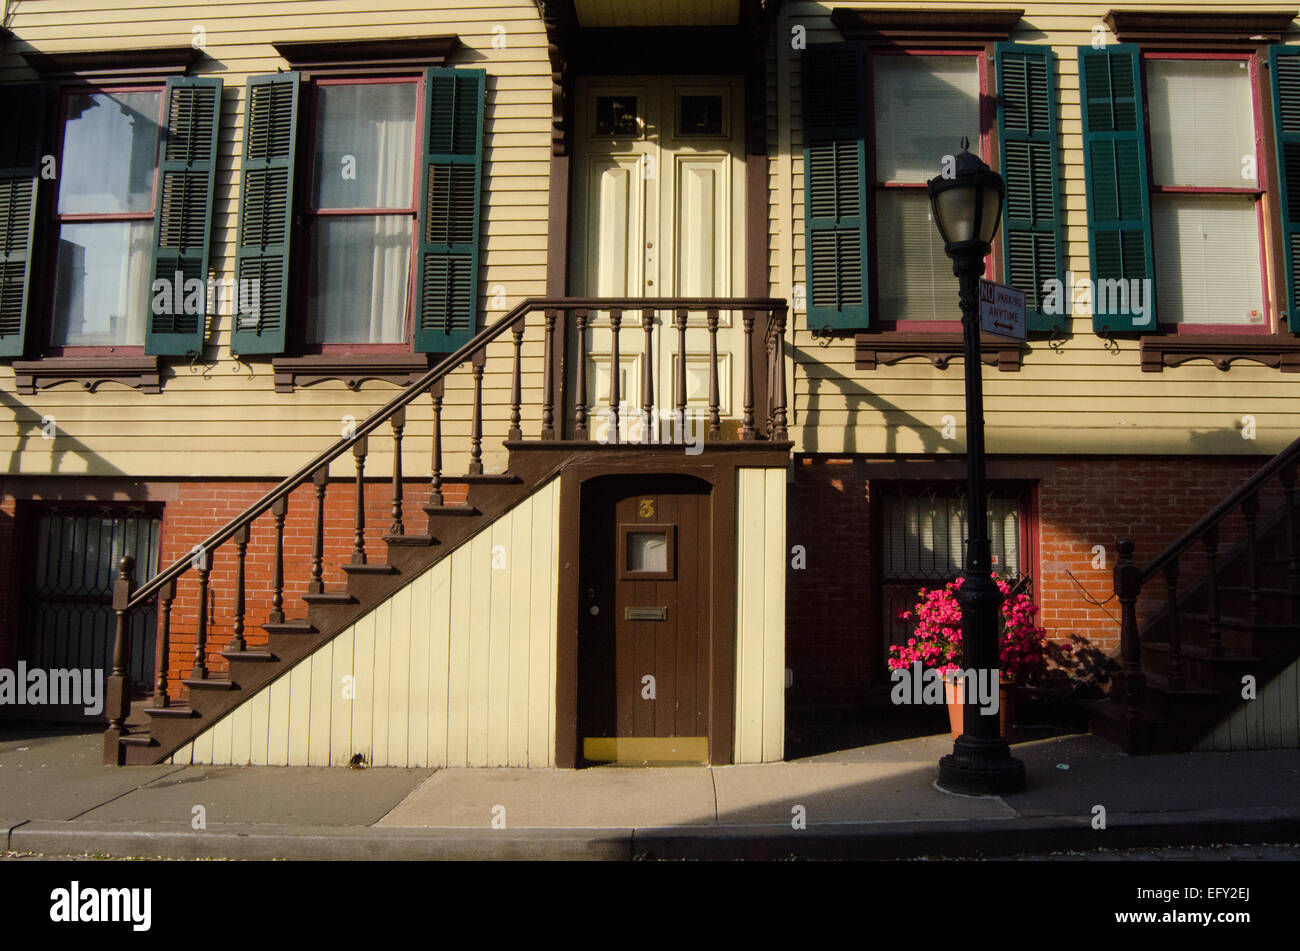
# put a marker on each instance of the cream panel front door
(659, 208)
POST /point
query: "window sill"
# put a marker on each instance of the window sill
(889, 347)
(399, 369)
(1281, 351)
(141, 372)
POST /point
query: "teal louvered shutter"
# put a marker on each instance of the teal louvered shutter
(1033, 251)
(22, 118)
(1284, 67)
(835, 186)
(1117, 180)
(446, 314)
(261, 293)
(187, 166)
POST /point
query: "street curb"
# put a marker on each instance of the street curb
(857, 840)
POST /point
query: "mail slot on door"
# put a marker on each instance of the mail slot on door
(645, 614)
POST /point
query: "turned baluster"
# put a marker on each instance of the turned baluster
(647, 373)
(359, 515)
(477, 362)
(1250, 511)
(715, 417)
(548, 377)
(241, 551)
(615, 383)
(779, 423)
(1177, 677)
(166, 594)
(1211, 542)
(679, 320)
(1128, 584)
(1292, 555)
(202, 565)
(279, 509)
(580, 409)
(398, 421)
(435, 490)
(118, 701)
(316, 585)
(747, 423)
(516, 384)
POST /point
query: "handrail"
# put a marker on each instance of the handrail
(421, 385)
(1175, 548)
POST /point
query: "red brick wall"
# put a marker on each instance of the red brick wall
(200, 510)
(832, 640)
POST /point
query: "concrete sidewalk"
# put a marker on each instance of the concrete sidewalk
(872, 802)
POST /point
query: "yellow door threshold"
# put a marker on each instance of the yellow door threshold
(647, 750)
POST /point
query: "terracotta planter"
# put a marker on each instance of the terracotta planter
(955, 693)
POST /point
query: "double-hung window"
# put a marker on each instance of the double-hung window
(104, 217)
(923, 105)
(362, 212)
(1206, 208)
(878, 123)
(360, 201)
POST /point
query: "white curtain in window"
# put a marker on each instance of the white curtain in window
(914, 275)
(924, 105)
(1207, 258)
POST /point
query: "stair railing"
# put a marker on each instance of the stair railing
(556, 411)
(1131, 579)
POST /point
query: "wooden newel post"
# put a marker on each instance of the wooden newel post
(118, 700)
(1127, 585)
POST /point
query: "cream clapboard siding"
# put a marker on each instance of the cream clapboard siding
(1082, 399)
(456, 669)
(760, 616)
(211, 419)
(1269, 722)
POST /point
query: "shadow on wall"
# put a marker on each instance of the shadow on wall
(30, 428)
(857, 400)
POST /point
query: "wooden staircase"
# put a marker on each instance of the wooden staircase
(144, 733)
(1183, 667)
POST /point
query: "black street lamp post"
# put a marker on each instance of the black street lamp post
(967, 206)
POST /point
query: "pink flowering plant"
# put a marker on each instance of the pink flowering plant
(937, 639)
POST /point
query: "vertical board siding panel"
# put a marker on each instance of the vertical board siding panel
(299, 711)
(183, 756)
(739, 730)
(1255, 722)
(479, 570)
(417, 740)
(774, 618)
(498, 631)
(340, 718)
(541, 627)
(520, 525)
(221, 737)
(277, 740)
(241, 725)
(260, 727)
(379, 709)
(458, 704)
(439, 643)
(363, 707)
(1290, 685)
(1271, 714)
(399, 678)
(749, 517)
(323, 697)
(553, 623)
(203, 747)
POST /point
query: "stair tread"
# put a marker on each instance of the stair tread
(487, 478)
(451, 510)
(178, 713)
(138, 739)
(1243, 589)
(1161, 683)
(411, 541)
(295, 626)
(248, 655)
(1244, 623)
(210, 683)
(330, 597)
(371, 568)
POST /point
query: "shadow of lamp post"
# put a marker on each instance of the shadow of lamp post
(967, 205)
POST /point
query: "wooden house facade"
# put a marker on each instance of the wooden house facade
(552, 382)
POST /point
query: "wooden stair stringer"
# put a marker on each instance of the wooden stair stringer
(493, 500)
